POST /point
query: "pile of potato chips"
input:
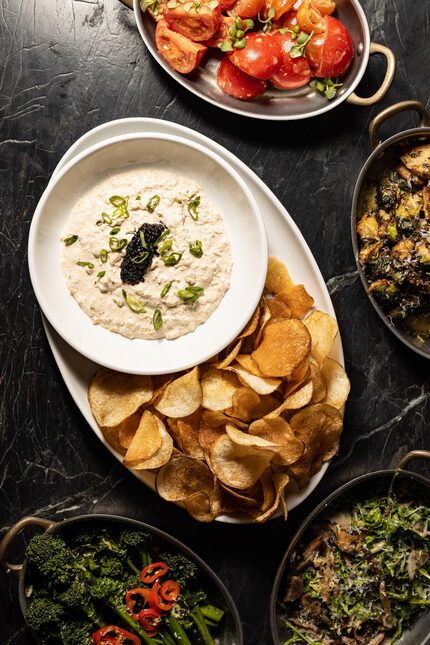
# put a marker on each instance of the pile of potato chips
(235, 434)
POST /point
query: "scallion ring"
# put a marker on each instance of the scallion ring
(103, 256)
(157, 319)
(138, 259)
(133, 303)
(153, 203)
(196, 248)
(101, 274)
(190, 294)
(192, 207)
(165, 290)
(89, 265)
(115, 230)
(117, 200)
(172, 259)
(116, 244)
(106, 219)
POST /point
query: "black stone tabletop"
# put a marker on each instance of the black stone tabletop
(67, 66)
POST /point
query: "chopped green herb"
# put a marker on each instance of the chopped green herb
(196, 248)
(326, 86)
(133, 303)
(268, 22)
(68, 241)
(106, 219)
(172, 259)
(165, 290)
(149, 4)
(163, 236)
(190, 294)
(89, 265)
(138, 198)
(117, 201)
(166, 246)
(103, 255)
(236, 38)
(192, 207)
(115, 230)
(157, 319)
(138, 259)
(153, 203)
(302, 39)
(116, 244)
(101, 274)
(142, 239)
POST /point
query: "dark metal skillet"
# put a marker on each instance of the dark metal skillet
(232, 630)
(384, 156)
(277, 105)
(412, 485)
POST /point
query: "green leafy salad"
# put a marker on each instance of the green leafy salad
(364, 576)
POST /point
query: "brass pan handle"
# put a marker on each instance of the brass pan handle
(391, 111)
(375, 48)
(11, 535)
(128, 3)
(414, 454)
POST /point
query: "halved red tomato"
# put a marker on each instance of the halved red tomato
(261, 57)
(222, 33)
(288, 20)
(179, 51)
(330, 53)
(198, 22)
(247, 8)
(236, 83)
(280, 6)
(294, 72)
(226, 4)
(309, 18)
(326, 7)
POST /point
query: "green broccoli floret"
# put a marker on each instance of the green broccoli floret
(44, 615)
(136, 542)
(181, 568)
(52, 557)
(76, 633)
(111, 567)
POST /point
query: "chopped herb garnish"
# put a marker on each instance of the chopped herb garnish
(236, 35)
(68, 241)
(133, 303)
(157, 319)
(172, 259)
(115, 230)
(106, 219)
(101, 274)
(89, 265)
(190, 294)
(326, 86)
(138, 259)
(162, 237)
(192, 207)
(268, 22)
(142, 239)
(138, 198)
(165, 290)
(116, 244)
(117, 201)
(302, 40)
(196, 248)
(103, 255)
(166, 246)
(153, 203)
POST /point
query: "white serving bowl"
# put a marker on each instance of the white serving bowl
(242, 220)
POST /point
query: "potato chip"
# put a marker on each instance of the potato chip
(319, 388)
(202, 508)
(214, 419)
(267, 404)
(244, 401)
(337, 383)
(260, 384)
(221, 364)
(252, 324)
(145, 442)
(111, 436)
(323, 330)
(218, 387)
(285, 344)
(188, 430)
(245, 439)
(114, 396)
(249, 365)
(182, 396)
(238, 466)
(278, 279)
(278, 432)
(301, 373)
(184, 477)
(127, 429)
(162, 455)
(319, 427)
(298, 399)
(298, 300)
(279, 482)
(278, 308)
(265, 318)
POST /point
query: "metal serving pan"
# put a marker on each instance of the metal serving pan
(232, 632)
(410, 485)
(278, 105)
(384, 156)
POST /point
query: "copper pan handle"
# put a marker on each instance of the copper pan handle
(375, 48)
(391, 111)
(414, 454)
(128, 3)
(11, 534)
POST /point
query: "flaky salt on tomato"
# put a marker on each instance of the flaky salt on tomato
(198, 22)
(234, 82)
(294, 72)
(180, 52)
(262, 56)
(330, 53)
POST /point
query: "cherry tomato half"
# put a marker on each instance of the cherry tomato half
(280, 6)
(112, 635)
(294, 72)
(156, 601)
(309, 18)
(222, 33)
(326, 7)
(138, 594)
(261, 58)
(226, 4)
(150, 619)
(236, 83)
(330, 53)
(196, 24)
(247, 8)
(180, 52)
(170, 590)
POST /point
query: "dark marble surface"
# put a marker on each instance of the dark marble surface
(69, 65)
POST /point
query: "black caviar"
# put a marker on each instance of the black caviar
(138, 257)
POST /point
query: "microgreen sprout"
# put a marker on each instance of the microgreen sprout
(326, 86)
(302, 40)
(149, 4)
(237, 35)
(268, 22)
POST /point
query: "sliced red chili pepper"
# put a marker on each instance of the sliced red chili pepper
(113, 635)
(153, 571)
(133, 596)
(156, 602)
(170, 590)
(150, 621)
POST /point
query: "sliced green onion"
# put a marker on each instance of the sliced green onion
(106, 219)
(133, 303)
(101, 274)
(165, 290)
(153, 203)
(81, 263)
(192, 207)
(138, 259)
(116, 244)
(172, 259)
(138, 198)
(116, 200)
(68, 241)
(166, 246)
(196, 248)
(190, 294)
(157, 319)
(115, 230)
(163, 235)
(142, 239)
(103, 255)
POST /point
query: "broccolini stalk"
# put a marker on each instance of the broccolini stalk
(202, 626)
(177, 631)
(212, 613)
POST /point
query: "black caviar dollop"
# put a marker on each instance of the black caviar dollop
(133, 272)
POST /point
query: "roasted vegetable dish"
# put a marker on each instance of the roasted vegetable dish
(108, 587)
(394, 241)
(362, 577)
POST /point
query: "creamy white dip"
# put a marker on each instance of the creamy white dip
(103, 296)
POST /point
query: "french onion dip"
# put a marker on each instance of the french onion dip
(146, 255)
